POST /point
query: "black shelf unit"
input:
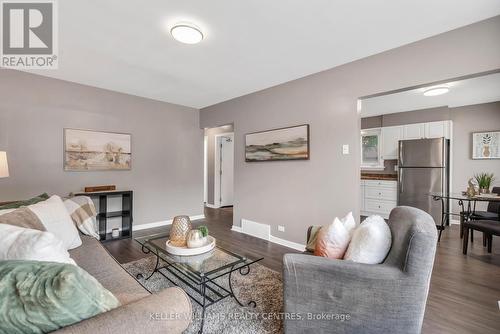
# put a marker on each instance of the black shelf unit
(104, 214)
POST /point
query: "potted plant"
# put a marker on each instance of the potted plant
(484, 181)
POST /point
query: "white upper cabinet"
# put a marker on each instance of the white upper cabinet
(414, 131)
(438, 129)
(382, 144)
(391, 135)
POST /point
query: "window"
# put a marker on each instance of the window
(370, 149)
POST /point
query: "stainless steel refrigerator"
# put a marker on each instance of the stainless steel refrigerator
(423, 168)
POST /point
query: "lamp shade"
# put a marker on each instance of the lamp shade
(4, 167)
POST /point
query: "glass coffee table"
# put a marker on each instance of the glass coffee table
(201, 275)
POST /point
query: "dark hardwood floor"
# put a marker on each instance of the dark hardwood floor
(464, 293)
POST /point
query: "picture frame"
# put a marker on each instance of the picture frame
(486, 145)
(281, 144)
(90, 150)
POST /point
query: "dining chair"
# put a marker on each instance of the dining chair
(488, 227)
(492, 213)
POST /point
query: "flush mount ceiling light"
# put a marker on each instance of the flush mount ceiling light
(186, 33)
(436, 91)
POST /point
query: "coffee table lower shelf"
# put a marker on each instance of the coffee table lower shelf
(203, 289)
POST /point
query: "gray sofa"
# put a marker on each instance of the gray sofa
(361, 298)
(140, 311)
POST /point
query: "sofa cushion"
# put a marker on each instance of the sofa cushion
(40, 297)
(95, 259)
(370, 242)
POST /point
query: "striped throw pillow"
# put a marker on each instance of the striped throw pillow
(83, 213)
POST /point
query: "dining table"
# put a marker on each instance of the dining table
(467, 207)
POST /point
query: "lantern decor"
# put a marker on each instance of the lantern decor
(180, 228)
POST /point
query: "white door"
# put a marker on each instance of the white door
(226, 144)
(390, 137)
(414, 131)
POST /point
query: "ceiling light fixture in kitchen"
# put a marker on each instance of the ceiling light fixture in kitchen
(186, 33)
(435, 91)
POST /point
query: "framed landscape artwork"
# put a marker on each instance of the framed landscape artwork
(86, 150)
(290, 143)
(486, 145)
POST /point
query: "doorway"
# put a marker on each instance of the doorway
(219, 166)
(224, 171)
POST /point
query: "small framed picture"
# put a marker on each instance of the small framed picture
(486, 145)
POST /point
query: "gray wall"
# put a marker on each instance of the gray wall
(300, 193)
(481, 117)
(167, 144)
(210, 134)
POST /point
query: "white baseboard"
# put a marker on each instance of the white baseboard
(162, 223)
(454, 222)
(211, 206)
(236, 229)
(262, 231)
(269, 237)
(286, 243)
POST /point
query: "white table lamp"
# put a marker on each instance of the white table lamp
(4, 167)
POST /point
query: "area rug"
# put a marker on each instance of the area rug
(262, 285)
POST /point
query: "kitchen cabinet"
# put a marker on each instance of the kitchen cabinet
(438, 129)
(427, 130)
(391, 135)
(379, 197)
(414, 131)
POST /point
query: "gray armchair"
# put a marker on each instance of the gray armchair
(336, 296)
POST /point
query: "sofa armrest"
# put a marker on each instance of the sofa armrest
(365, 294)
(166, 312)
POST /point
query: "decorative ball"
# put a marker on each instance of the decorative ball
(180, 228)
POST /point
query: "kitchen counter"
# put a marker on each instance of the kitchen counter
(376, 176)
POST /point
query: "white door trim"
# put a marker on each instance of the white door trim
(217, 167)
(205, 169)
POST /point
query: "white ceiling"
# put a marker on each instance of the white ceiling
(250, 45)
(465, 92)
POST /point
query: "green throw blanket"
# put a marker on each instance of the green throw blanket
(40, 297)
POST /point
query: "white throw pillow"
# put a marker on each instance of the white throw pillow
(18, 243)
(349, 224)
(370, 242)
(56, 219)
